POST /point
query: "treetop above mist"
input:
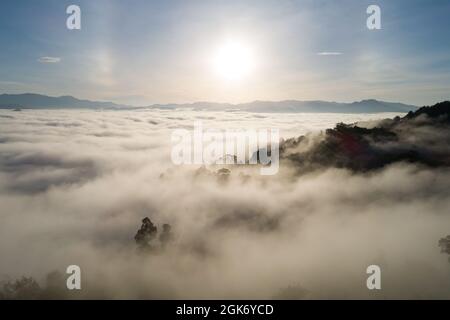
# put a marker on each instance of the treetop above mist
(421, 137)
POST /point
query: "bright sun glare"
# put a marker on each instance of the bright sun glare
(233, 61)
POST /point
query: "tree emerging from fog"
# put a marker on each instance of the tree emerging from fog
(146, 235)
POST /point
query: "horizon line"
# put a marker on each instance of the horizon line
(205, 101)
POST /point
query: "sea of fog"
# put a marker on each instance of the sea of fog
(75, 185)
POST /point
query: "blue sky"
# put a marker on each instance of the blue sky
(144, 52)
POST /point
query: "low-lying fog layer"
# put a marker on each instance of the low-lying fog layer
(75, 185)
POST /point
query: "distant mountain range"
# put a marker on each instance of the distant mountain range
(37, 101)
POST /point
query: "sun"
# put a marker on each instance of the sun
(233, 61)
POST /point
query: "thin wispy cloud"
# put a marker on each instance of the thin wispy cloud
(10, 83)
(49, 60)
(329, 53)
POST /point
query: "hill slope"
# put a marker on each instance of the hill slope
(421, 137)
